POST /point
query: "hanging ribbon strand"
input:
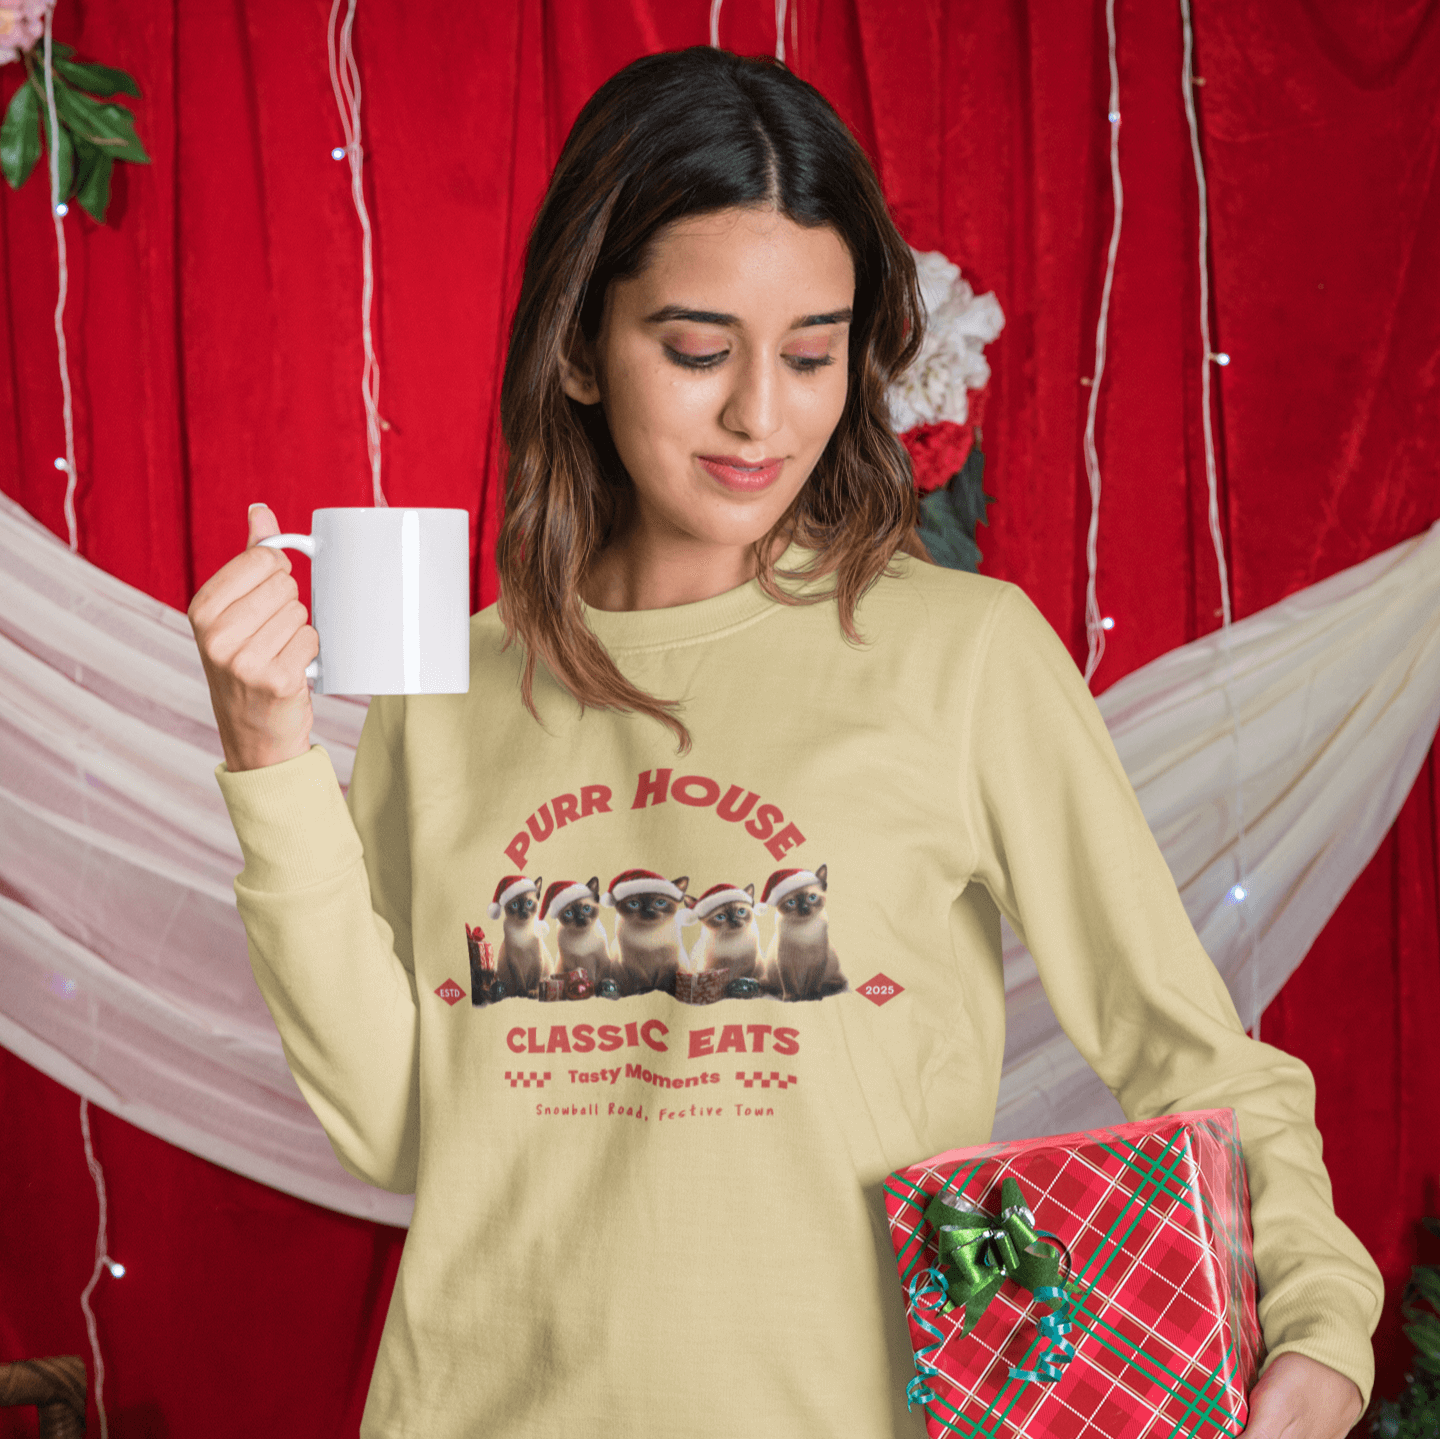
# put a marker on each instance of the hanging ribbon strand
(345, 81)
(58, 210)
(1187, 91)
(781, 9)
(1240, 890)
(1094, 623)
(103, 1262)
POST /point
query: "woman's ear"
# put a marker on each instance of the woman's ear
(577, 372)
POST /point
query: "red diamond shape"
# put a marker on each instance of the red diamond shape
(880, 990)
(450, 992)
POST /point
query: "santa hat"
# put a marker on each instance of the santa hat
(639, 881)
(511, 887)
(713, 898)
(561, 893)
(783, 882)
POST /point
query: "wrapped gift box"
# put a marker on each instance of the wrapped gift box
(482, 964)
(552, 987)
(703, 988)
(1158, 1291)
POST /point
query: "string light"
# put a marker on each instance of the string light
(59, 209)
(781, 8)
(1108, 623)
(1240, 891)
(345, 81)
(102, 1262)
(1095, 626)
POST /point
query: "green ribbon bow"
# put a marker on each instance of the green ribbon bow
(978, 1253)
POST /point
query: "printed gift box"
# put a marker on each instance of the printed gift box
(704, 988)
(482, 965)
(1096, 1284)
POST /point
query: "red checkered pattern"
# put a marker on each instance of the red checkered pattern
(521, 1080)
(1156, 1217)
(765, 1081)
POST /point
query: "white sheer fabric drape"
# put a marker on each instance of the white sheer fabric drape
(123, 969)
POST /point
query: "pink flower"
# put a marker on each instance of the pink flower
(22, 23)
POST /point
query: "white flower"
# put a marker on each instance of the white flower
(958, 326)
(22, 23)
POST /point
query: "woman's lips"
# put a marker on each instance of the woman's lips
(735, 474)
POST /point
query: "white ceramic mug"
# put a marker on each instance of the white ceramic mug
(390, 599)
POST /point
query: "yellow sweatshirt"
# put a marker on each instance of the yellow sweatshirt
(637, 1216)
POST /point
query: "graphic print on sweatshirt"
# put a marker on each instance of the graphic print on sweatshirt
(698, 939)
(646, 933)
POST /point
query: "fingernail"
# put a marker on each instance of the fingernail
(258, 505)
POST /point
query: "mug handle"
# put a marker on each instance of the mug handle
(306, 545)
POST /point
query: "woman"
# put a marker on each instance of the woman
(717, 674)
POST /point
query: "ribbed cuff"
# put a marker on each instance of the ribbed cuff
(292, 822)
(1329, 1319)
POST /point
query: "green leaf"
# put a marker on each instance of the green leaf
(110, 126)
(944, 534)
(92, 186)
(20, 137)
(948, 516)
(1424, 1334)
(97, 79)
(1425, 1282)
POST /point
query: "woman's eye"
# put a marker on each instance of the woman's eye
(807, 363)
(696, 362)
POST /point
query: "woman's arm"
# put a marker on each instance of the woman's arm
(333, 961)
(1065, 851)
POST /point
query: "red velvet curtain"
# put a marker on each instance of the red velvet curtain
(214, 334)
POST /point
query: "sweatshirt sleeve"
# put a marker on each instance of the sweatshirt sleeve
(1067, 855)
(334, 963)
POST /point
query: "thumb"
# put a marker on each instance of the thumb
(263, 524)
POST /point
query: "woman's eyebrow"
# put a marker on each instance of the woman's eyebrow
(714, 317)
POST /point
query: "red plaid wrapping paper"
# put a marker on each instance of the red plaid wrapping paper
(1156, 1216)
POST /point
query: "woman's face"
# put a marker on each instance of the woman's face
(722, 370)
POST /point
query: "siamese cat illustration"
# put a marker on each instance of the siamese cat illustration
(524, 957)
(649, 911)
(800, 961)
(580, 938)
(729, 932)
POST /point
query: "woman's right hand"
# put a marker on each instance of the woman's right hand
(255, 641)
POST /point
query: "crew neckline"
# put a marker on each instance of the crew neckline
(688, 624)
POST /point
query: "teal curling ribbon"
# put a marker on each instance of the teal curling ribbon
(1055, 1328)
(926, 1281)
(978, 1253)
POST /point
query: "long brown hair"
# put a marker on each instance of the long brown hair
(685, 133)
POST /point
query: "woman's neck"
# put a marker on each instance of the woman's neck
(643, 572)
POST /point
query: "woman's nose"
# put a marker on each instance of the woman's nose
(752, 409)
